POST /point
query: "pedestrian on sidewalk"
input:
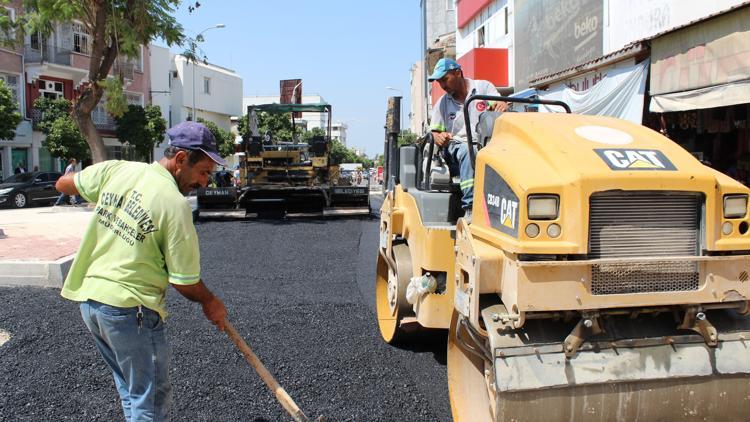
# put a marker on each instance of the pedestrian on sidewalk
(63, 198)
(141, 240)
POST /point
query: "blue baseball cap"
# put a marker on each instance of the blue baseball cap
(442, 67)
(195, 136)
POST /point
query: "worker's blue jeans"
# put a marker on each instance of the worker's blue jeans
(457, 156)
(137, 354)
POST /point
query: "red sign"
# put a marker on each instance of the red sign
(291, 93)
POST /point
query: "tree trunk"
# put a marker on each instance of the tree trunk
(89, 131)
(82, 108)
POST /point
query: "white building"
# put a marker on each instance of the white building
(179, 86)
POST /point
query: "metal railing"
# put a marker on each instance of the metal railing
(49, 53)
(107, 123)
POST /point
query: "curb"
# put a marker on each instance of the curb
(35, 273)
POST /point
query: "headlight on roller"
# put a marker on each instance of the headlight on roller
(735, 206)
(544, 207)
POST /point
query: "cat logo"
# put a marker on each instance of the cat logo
(635, 159)
(501, 204)
(507, 209)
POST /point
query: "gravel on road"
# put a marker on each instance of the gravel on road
(299, 292)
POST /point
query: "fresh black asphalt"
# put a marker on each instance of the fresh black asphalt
(301, 292)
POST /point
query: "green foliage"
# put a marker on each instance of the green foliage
(116, 104)
(64, 139)
(340, 153)
(406, 137)
(224, 138)
(9, 115)
(280, 125)
(141, 128)
(309, 134)
(379, 160)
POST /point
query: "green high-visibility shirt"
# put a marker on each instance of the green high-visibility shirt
(140, 238)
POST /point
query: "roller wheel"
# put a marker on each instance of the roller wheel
(467, 386)
(390, 294)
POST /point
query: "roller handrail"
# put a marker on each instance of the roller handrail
(467, 123)
(426, 175)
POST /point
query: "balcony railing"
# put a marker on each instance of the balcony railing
(48, 53)
(107, 123)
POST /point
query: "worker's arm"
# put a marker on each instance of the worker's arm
(441, 138)
(66, 185)
(213, 307)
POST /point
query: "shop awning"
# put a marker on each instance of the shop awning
(526, 93)
(619, 94)
(287, 108)
(702, 66)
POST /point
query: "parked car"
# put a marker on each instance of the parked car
(27, 189)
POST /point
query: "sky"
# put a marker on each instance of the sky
(347, 51)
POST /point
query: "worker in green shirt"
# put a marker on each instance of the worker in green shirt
(141, 239)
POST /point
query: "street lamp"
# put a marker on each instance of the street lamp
(199, 38)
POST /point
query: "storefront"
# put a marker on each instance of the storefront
(700, 90)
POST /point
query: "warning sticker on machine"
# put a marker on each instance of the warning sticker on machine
(635, 159)
(501, 202)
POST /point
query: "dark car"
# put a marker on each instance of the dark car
(26, 189)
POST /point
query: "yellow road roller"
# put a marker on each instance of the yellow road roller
(605, 274)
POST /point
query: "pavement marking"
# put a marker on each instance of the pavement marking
(4, 337)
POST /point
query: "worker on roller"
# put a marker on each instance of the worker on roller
(447, 123)
(141, 240)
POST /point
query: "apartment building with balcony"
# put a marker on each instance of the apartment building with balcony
(13, 151)
(55, 66)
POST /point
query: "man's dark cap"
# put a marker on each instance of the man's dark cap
(195, 136)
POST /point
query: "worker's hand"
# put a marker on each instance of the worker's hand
(442, 138)
(500, 106)
(215, 312)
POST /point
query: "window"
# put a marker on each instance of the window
(207, 86)
(34, 41)
(11, 34)
(11, 81)
(136, 62)
(505, 9)
(80, 39)
(50, 89)
(134, 99)
(450, 5)
(480, 37)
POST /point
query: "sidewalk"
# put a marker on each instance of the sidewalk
(39, 244)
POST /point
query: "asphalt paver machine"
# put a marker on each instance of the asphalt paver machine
(605, 274)
(287, 177)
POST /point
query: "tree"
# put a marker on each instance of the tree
(118, 28)
(406, 137)
(309, 134)
(280, 125)
(9, 115)
(224, 138)
(340, 153)
(64, 139)
(141, 128)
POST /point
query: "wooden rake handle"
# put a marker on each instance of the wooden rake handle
(281, 395)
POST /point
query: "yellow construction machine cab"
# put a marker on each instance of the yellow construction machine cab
(604, 274)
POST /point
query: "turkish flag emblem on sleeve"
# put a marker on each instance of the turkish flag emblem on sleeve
(481, 106)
